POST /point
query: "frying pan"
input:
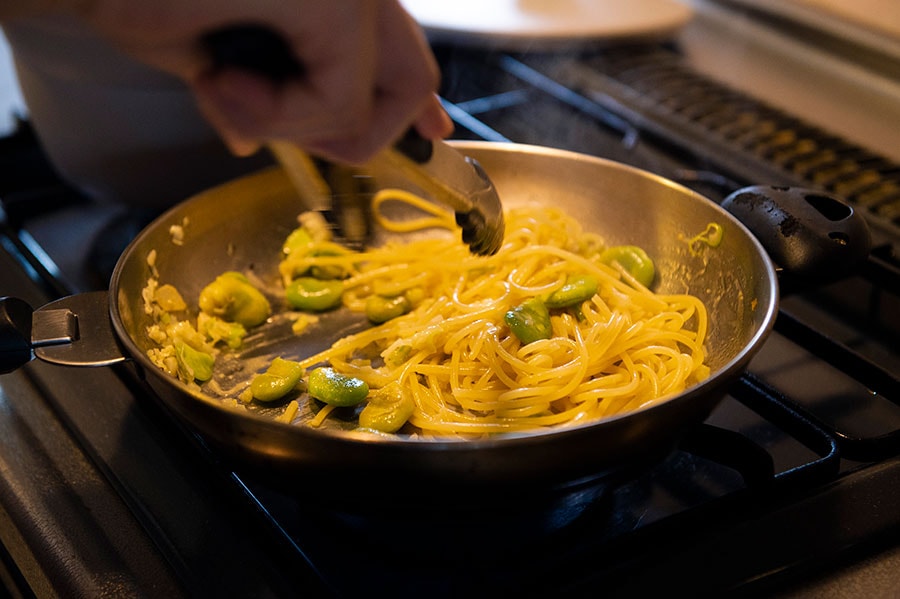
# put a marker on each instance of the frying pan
(241, 225)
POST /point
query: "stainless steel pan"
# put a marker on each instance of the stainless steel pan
(241, 225)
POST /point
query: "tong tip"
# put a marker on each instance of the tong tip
(482, 237)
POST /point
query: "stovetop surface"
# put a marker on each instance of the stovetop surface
(788, 489)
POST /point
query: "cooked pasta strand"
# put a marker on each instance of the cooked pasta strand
(468, 375)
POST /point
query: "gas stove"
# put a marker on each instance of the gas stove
(787, 489)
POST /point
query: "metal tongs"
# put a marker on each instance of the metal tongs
(441, 172)
(454, 180)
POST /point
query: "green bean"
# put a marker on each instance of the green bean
(193, 365)
(233, 298)
(336, 389)
(633, 259)
(277, 381)
(529, 321)
(381, 309)
(314, 295)
(576, 289)
(387, 409)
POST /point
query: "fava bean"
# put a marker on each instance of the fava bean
(277, 381)
(381, 309)
(299, 239)
(193, 365)
(415, 296)
(576, 289)
(398, 355)
(387, 409)
(325, 384)
(314, 295)
(233, 298)
(529, 321)
(301, 260)
(328, 271)
(633, 259)
(217, 330)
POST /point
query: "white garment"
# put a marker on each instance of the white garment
(117, 129)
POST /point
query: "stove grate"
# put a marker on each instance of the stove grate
(740, 136)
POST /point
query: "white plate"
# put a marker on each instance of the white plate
(530, 23)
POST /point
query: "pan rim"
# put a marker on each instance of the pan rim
(730, 369)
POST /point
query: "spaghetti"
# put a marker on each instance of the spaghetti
(624, 348)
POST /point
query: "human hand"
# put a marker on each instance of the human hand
(368, 74)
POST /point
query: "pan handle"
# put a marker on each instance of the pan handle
(812, 237)
(72, 331)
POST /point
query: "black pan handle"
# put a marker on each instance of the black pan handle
(15, 333)
(75, 330)
(262, 51)
(814, 238)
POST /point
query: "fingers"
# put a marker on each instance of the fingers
(231, 101)
(406, 79)
(361, 90)
(434, 122)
